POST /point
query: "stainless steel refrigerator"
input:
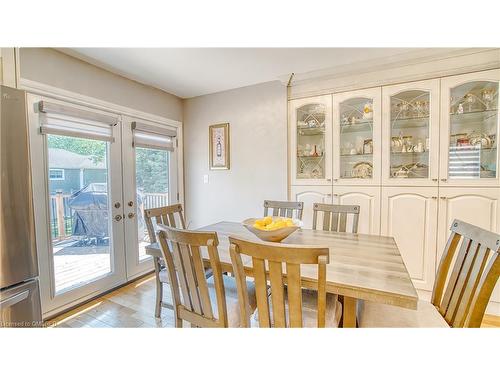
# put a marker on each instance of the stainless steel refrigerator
(19, 289)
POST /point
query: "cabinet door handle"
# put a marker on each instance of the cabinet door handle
(329, 180)
(434, 179)
(434, 197)
(335, 179)
(335, 195)
(328, 195)
(443, 179)
(443, 198)
(131, 215)
(118, 217)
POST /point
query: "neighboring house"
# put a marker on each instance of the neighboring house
(70, 172)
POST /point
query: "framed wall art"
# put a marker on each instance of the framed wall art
(219, 146)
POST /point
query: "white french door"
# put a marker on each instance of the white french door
(149, 181)
(91, 181)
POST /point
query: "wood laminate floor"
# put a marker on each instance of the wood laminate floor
(133, 306)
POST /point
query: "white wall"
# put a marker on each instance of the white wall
(57, 69)
(258, 142)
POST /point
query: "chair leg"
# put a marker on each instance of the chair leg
(159, 290)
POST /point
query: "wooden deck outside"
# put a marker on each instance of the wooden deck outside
(76, 265)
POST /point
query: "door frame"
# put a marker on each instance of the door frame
(40, 90)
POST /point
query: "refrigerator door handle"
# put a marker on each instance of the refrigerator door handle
(16, 298)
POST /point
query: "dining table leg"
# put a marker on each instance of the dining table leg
(349, 312)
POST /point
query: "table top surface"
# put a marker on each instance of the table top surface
(362, 266)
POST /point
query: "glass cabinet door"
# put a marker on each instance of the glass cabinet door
(411, 134)
(473, 136)
(312, 125)
(356, 141)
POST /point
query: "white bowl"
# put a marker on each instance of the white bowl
(275, 235)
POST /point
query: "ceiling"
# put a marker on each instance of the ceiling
(189, 72)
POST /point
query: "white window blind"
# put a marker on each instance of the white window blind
(150, 136)
(58, 119)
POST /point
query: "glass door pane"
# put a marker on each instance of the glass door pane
(410, 147)
(79, 208)
(152, 179)
(311, 141)
(356, 138)
(473, 131)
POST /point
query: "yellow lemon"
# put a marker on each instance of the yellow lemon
(268, 220)
(260, 222)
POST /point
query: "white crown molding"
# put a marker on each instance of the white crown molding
(39, 88)
(422, 64)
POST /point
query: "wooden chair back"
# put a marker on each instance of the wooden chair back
(163, 215)
(335, 217)
(276, 256)
(462, 295)
(284, 209)
(182, 251)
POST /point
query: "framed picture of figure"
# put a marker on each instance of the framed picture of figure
(219, 146)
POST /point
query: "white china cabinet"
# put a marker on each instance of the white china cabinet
(409, 214)
(311, 138)
(356, 137)
(310, 195)
(469, 129)
(414, 156)
(410, 133)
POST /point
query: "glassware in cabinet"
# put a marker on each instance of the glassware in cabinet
(473, 131)
(357, 137)
(410, 133)
(410, 142)
(311, 144)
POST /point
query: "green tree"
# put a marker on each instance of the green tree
(151, 168)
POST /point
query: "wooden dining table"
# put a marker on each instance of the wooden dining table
(362, 266)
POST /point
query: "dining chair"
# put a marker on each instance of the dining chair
(284, 208)
(162, 215)
(460, 294)
(291, 306)
(212, 302)
(335, 217)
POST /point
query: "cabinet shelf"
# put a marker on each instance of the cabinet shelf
(399, 153)
(306, 131)
(411, 122)
(309, 157)
(473, 117)
(357, 156)
(358, 127)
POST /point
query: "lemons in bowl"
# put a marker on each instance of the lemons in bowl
(272, 228)
(270, 223)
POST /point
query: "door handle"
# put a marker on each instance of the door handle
(117, 205)
(131, 215)
(443, 179)
(130, 203)
(14, 299)
(434, 179)
(443, 198)
(434, 197)
(118, 217)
